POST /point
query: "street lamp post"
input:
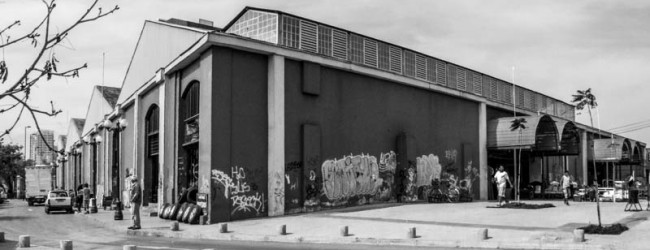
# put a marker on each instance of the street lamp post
(116, 128)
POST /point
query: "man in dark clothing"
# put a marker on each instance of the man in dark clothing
(86, 194)
(136, 199)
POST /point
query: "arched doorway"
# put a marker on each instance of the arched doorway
(188, 165)
(152, 168)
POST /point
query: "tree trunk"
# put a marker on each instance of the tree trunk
(593, 161)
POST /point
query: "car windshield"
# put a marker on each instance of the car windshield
(58, 194)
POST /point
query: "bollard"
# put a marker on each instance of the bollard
(66, 245)
(23, 241)
(282, 229)
(482, 234)
(578, 235)
(2, 236)
(130, 247)
(93, 205)
(411, 234)
(174, 226)
(223, 228)
(344, 231)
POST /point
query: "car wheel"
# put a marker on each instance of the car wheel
(47, 211)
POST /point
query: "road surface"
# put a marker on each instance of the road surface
(46, 230)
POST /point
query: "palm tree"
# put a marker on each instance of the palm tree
(518, 124)
(586, 99)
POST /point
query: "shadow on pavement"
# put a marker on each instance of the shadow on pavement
(8, 244)
(11, 218)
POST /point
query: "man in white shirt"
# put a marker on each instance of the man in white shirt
(565, 183)
(501, 178)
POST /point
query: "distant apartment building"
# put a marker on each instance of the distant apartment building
(38, 150)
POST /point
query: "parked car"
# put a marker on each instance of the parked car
(58, 200)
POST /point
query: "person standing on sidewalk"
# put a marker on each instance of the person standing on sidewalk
(501, 178)
(86, 195)
(136, 199)
(565, 182)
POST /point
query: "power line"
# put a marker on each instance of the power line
(629, 125)
(635, 129)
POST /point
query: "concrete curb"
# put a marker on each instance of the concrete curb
(370, 241)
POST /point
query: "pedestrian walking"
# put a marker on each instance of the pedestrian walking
(501, 178)
(86, 195)
(565, 183)
(136, 199)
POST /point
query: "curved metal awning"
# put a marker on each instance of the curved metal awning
(568, 136)
(540, 134)
(636, 155)
(615, 149)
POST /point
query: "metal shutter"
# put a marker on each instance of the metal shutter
(308, 37)
(462, 79)
(431, 69)
(370, 52)
(478, 84)
(451, 76)
(340, 44)
(420, 67)
(441, 73)
(395, 59)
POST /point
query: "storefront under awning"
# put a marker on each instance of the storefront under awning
(540, 134)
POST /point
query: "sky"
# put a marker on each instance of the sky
(555, 46)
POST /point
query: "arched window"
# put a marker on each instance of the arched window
(152, 123)
(189, 126)
(152, 168)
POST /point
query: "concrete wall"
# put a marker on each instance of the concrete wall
(349, 121)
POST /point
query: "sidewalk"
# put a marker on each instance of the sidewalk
(444, 225)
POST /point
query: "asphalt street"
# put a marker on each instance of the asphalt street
(46, 230)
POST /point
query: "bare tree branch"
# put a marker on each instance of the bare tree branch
(38, 127)
(7, 131)
(31, 34)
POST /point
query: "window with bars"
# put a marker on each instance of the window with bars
(257, 25)
(324, 40)
(340, 44)
(420, 67)
(441, 73)
(383, 56)
(370, 52)
(395, 59)
(452, 80)
(308, 36)
(356, 48)
(409, 63)
(431, 69)
(462, 79)
(290, 33)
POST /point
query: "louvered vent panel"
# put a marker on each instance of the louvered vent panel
(541, 103)
(340, 44)
(356, 48)
(420, 67)
(462, 79)
(494, 90)
(533, 101)
(395, 59)
(507, 92)
(290, 32)
(409, 63)
(559, 109)
(308, 37)
(441, 73)
(324, 40)
(452, 80)
(478, 84)
(384, 57)
(370, 52)
(550, 106)
(431, 69)
(520, 97)
(487, 87)
(527, 100)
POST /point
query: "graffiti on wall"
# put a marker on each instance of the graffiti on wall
(471, 176)
(350, 176)
(387, 166)
(238, 191)
(428, 169)
(278, 192)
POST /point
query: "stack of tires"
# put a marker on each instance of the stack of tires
(185, 210)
